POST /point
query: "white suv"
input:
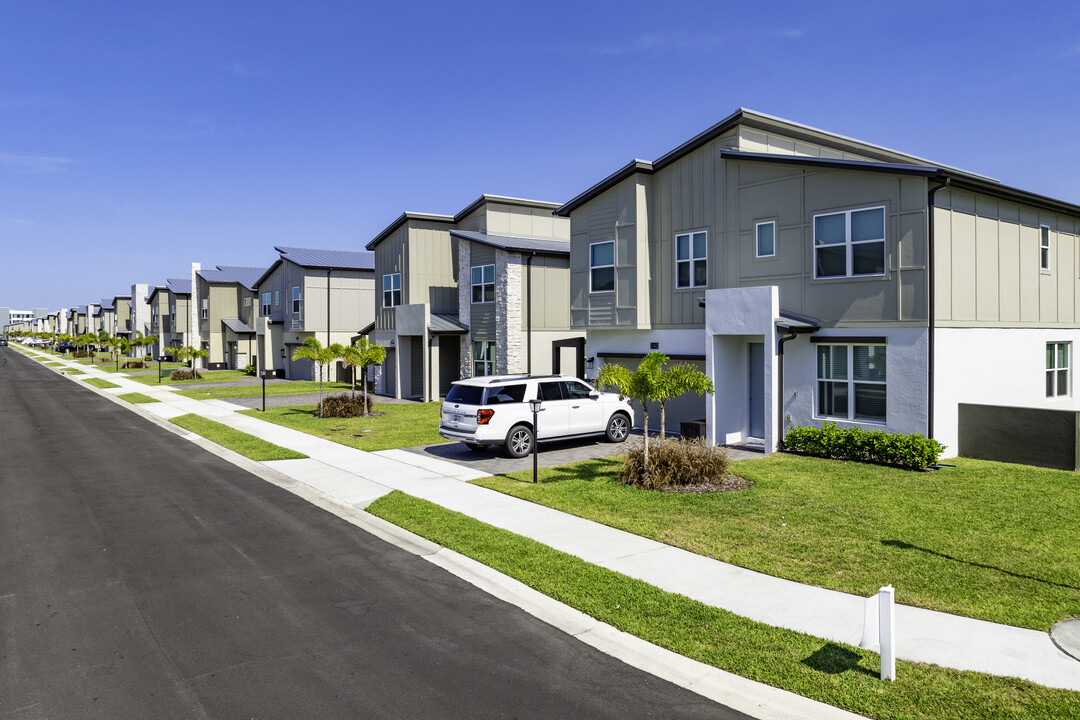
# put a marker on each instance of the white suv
(494, 410)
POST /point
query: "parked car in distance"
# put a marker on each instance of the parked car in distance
(3, 341)
(494, 410)
(65, 346)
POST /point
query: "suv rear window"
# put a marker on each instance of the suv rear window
(505, 394)
(465, 394)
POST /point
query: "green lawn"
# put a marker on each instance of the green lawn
(74, 372)
(987, 540)
(55, 364)
(136, 398)
(100, 383)
(152, 365)
(247, 445)
(836, 674)
(207, 376)
(295, 387)
(403, 425)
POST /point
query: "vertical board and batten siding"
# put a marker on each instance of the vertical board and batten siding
(432, 268)
(482, 324)
(390, 257)
(522, 221)
(551, 293)
(352, 300)
(988, 269)
(791, 197)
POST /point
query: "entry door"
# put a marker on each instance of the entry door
(757, 390)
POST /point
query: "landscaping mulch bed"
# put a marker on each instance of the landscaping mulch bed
(728, 483)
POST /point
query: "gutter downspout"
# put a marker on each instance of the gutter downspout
(528, 314)
(930, 319)
(780, 381)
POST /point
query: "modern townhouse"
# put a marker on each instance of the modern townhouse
(108, 316)
(325, 294)
(480, 292)
(121, 305)
(226, 313)
(76, 320)
(819, 278)
(169, 315)
(158, 303)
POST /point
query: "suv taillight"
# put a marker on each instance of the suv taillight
(482, 416)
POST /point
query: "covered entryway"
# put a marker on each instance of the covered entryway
(756, 390)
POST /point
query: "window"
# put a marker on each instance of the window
(1057, 369)
(602, 267)
(850, 244)
(483, 284)
(296, 299)
(505, 394)
(205, 307)
(277, 298)
(247, 302)
(391, 290)
(765, 238)
(266, 304)
(1044, 247)
(483, 357)
(851, 382)
(691, 269)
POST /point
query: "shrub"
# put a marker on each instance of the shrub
(343, 406)
(82, 354)
(249, 369)
(185, 375)
(675, 462)
(912, 451)
(133, 364)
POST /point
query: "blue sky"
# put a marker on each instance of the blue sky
(137, 137)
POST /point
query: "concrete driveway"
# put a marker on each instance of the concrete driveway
(496, 461)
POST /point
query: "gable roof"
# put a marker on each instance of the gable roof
(157, 290)
(107, 304)
(546, 246)
(767, 123)
(245, 276)
(465, 212)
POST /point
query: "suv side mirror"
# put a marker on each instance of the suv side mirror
(594, 394)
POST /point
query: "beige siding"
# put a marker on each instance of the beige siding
(352, 300)
(988, 271)
(432, 268)
(551, 294)
(519, 221)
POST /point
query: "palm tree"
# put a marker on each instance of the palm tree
(679, 380)
(361, 354)
(189, 353)
(314, 351)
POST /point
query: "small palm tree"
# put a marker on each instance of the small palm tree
(361, 354)
(189, 353)
(679, 380)
(314, 351)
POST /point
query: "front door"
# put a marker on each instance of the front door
(756, 361)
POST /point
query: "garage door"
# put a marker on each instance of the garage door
(298, 369)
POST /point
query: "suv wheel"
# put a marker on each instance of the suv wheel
(519, 441)
(618, 427)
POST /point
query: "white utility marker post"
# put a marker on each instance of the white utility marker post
(879, 630)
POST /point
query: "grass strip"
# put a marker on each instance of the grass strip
(399, 425)
(207, 376)
(101, 383)
(74, 372)
(293, 387)
(137, 398)
(986, 540)
(839, 675)
(247, 445)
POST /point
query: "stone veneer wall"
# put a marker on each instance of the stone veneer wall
(510, 345)
(465, 307)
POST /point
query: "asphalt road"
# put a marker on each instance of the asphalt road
(141, 577)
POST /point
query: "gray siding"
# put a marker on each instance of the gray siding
(551, 294)
(390, 258)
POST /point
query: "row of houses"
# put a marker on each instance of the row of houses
(812, 276)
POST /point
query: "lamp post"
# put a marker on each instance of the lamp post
(534, 405)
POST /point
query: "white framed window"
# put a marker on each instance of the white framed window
(391, 289)
(277, 298)
(266, 304)
(296, 299)
(851, 382)
(691, 263)
(483, 284)
(850, 243)
(483, 357)
(205, 308)
(1057, 369)
(765, 239)
(602, 267)
(1044, 247)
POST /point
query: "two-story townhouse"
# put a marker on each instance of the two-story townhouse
(160, 321)
(174, 313)
(325, 294)
(108, 316)
(814, 277)
(122, 309)
(226, 313)
(76, 320)
(453, 294)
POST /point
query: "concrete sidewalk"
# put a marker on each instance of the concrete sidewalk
(357, 478)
